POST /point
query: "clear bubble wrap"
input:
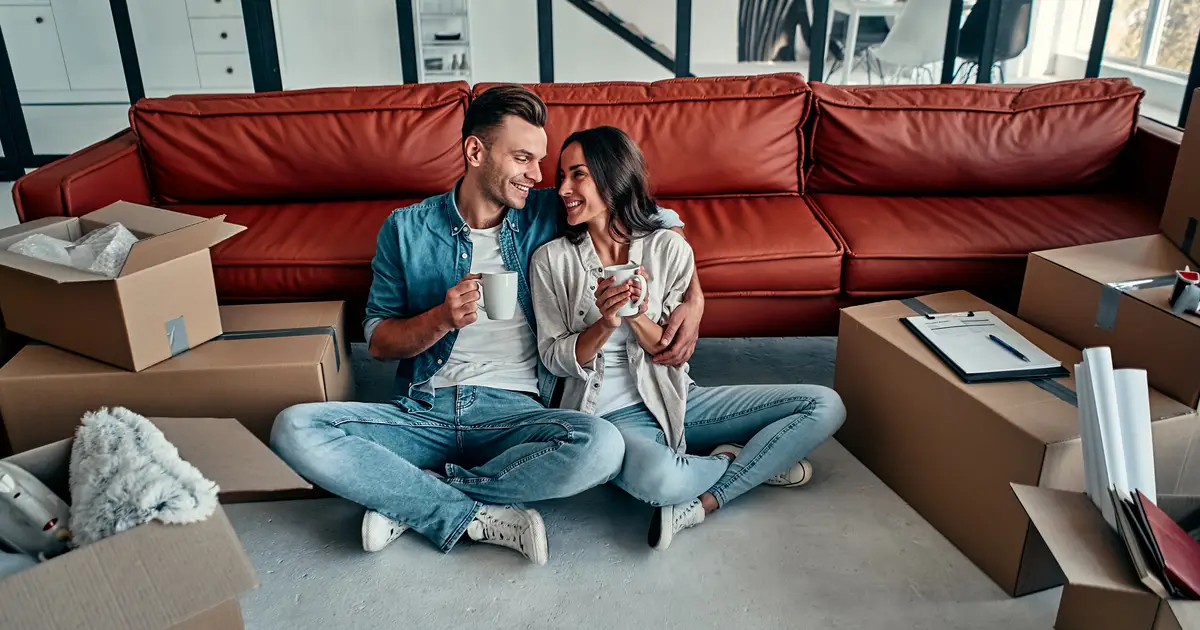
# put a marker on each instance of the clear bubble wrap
(101, 251)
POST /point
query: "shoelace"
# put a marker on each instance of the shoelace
(683, 516)
(496, 529)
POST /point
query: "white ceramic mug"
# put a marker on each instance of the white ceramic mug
(620, 274)
(498, 292)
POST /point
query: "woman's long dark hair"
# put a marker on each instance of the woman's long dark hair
(619, 170)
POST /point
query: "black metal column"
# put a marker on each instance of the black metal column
(817, 39)
(953, 26)
(683, 38)
(264, 51)
(987, 54)
(545, 31)
(14, 135)
(1193, 82)
(128, 48)
(1099, 36)
(408, 41)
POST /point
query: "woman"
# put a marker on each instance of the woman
(606, 357)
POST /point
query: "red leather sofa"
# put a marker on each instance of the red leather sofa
(799, 197)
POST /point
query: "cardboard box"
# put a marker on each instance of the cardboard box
(1116, 294)
(950, 449)
(1102, 591)
(271, 356)
(162, 303)
(154, 576)
(1182, 209)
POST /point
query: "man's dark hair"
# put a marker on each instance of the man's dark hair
(488, 110)
(618, 167)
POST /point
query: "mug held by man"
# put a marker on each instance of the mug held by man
(498, 295)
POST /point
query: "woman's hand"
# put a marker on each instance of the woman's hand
(609, 299)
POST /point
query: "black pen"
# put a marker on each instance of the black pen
(1009, 348)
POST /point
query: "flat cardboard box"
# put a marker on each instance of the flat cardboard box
(1116, 294)
(950, 449)
(271, 356)
(155, 576)
(1182, 210)
(1102, 590)
(163, 302)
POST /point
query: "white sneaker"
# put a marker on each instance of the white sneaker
(516, 528)
(670, 519)
(378, 531)
(799, 474)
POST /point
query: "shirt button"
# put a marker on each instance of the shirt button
(464, 255)
(439, 361)
(580, 313)
(596, 385)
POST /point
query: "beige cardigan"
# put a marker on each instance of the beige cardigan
(563, 280)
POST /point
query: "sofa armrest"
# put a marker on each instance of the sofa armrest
(1149, 161)
(89, 179)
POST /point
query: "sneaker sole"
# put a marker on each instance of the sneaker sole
(365, 537)
(659, 537)
(540, 554)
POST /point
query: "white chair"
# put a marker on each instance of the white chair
(916, 41)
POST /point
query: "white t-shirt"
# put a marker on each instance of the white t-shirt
(620, 388)
(491, 353)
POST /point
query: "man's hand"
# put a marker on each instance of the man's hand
(680, 334)
(461, 306)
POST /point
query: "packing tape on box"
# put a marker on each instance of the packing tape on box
(271, 333)
(1049, 385)
(177, 336)
(1110, 297)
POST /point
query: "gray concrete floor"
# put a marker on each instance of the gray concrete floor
(842, 552)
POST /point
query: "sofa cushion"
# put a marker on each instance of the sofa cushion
(701, 136)
(382, 142)
(297, 251)
(922, 244)
(969, 139)
(751, 246)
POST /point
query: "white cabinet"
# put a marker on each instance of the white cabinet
(219, 35)
(33, 48)
(214, 8)
(89, 44)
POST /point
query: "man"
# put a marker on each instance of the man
(469, 435)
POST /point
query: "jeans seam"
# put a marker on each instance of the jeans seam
(718, 490)
(402, 423)
(742, 412)
(554, 446)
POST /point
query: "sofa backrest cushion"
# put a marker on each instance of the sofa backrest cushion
(976, 139)
(700, 136)
(396, 141)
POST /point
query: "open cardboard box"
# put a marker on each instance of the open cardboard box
(951, 449)
(1181, 215)
(269, 357)
(162, 302)
(1116, 294)
(1103, 591)
(155, 576)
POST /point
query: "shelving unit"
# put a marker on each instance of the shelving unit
(443, 40)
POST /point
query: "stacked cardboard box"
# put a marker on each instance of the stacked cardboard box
(951, 449)
(153, 338)
(154, 576)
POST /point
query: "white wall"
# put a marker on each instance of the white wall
(505, 43)
(715, 31)
(348, 42)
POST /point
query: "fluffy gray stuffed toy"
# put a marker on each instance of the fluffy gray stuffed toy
(125, 473)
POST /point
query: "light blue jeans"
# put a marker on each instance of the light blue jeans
(778, 424)
(494, 447)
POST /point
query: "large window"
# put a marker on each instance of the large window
(1153, 34)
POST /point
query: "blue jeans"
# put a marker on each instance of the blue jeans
(494, 446)
(778, 424)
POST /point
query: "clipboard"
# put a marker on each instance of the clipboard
(979, 347)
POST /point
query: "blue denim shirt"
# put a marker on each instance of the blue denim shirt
(424, 249)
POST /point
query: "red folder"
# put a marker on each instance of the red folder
(1179, 551)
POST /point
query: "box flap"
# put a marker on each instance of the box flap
(227, 453)
(1182, 209)
(1186, 613)
(181, 242)
(1086, 549)
(143, 221)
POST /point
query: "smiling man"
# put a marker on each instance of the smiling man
(469, 435)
